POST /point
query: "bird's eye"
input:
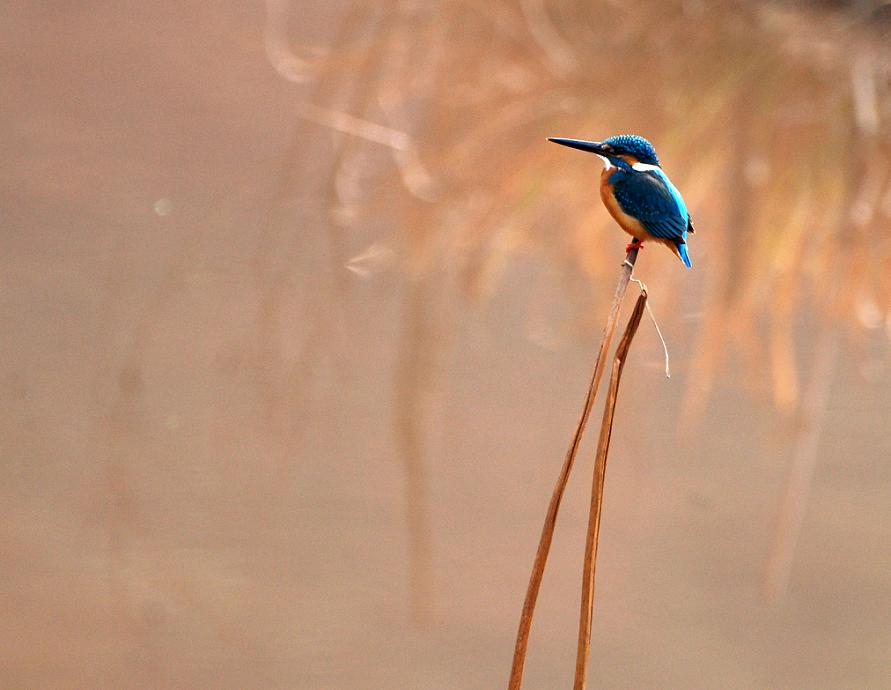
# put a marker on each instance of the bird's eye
(607, 148)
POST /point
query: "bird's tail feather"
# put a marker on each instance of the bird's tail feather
(682, 252)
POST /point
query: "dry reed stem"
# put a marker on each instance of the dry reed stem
(593, 537)
(547, 530)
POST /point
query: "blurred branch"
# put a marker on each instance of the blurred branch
(412, 388)
(801, 469)
(356, 126)
(279, 54)
(559, 52)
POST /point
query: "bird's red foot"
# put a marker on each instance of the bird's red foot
(637, 244)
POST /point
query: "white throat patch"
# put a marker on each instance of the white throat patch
(606, 164)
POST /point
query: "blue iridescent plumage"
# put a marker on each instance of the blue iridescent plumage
(638, 194)
(633, 145)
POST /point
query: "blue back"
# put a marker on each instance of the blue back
(650, 197)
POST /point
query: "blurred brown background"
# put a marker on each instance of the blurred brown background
(299, 308)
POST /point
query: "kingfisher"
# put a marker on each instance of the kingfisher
(638, 194)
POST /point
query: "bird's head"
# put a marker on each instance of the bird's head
(622, 151)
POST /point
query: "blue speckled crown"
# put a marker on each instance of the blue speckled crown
(634, 145)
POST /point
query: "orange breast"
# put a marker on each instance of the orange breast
(630, 225)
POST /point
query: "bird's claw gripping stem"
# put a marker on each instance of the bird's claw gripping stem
(637, 244)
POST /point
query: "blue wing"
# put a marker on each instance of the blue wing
(650, 197)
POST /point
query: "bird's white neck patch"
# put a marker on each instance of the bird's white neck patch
(643, 167)
(606, 164)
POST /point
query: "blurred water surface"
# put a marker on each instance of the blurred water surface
(299, 308)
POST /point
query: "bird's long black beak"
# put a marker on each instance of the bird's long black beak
(581, 145)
